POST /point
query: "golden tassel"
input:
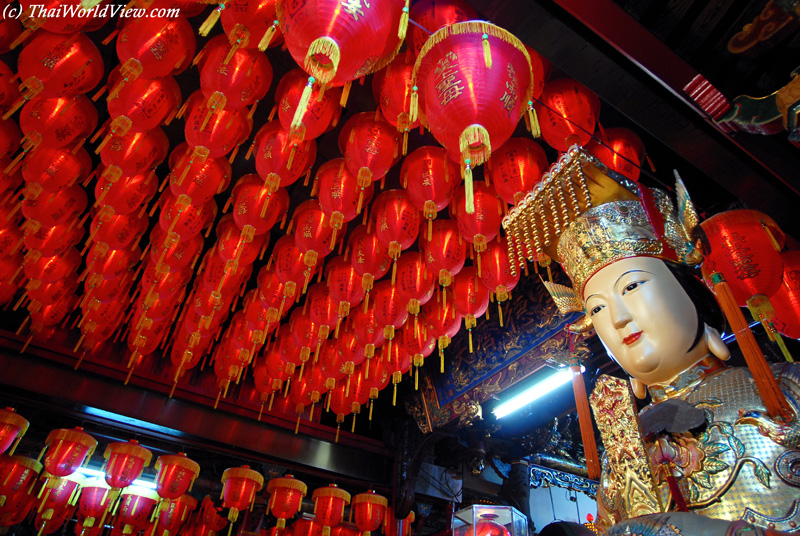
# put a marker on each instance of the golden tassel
(533, 120)
(302, 106)
(468, 187)
(324, 46)
(487, 52)
(212, 19)
(401, 31)
(414, 107)
(268, 36)
(345, 94)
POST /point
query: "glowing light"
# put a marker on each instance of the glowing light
(87, 471)
(534, 392)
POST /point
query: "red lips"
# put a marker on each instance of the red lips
(632, 338)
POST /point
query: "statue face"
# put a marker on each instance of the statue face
(645, 319)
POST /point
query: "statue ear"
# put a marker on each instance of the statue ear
(639, 389)
(716, 345)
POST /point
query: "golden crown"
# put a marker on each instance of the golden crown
(586, 216)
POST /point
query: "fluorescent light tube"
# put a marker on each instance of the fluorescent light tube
(535, 391)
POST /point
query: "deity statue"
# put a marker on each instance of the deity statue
(707, 443)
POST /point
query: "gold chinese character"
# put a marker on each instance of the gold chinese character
(354, 8)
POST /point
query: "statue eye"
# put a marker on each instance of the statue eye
(632, 286)
(595, 310)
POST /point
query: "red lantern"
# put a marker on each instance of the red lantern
(390, 313)
(376, 379)
(118, 231)
(743, 246)
(252, 23)
(67, 450)
(54, 169)
(176, 474)
(338, 44)
(430, 178)
(397, 527)
(396, 221)
(135, 152)
(321, 112)
(240, 485)
(474, 81)
(286, 497)
(431, 15)
(620, 149)
(276, 368)
(172, 516)
(786, 300)
(471, 297)
(199, 179)
(135, 506)
(515, 168)
(567, 112)
(370, 146)
(94, 504)
(341, 403)
(12, 427)
(125, 461)
(368, 256)
(367, 330)
(143, 103)
(443, 323)
(255, 206)
(306, 526)
(392, 90)
(56, 208)
(233, 78)
(53, 65)
(322, 309)
(280, 161)
(56, 122)
(414, 281)
(185, 220)
(289, 267)
(419, 344)
(481, 226)
(340, 196)
(59, 497)
(305, 334)
(347, 346)
(344, 284)
(496, 274)
(329, 503)
(444, 250)
(218, 135)
(153, 48)
(17, 476)
(313, 232)
(397, 362)
(330, 367)
(368, 509)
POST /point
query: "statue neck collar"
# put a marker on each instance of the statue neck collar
(686, 380)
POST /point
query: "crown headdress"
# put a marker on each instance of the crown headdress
(586, 216)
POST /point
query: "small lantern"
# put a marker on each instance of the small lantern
(12, 427)
(368, 509)
(135, 506)
(176, 474)
(94, 504)
(489, 520)
(17, 475)
(239, 487)
(286, 497)
(67, 450)
(329, 503)
(172, 517)
(125, 462)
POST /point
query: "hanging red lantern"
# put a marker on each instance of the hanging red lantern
(444, 250)
(252, 23)
(392, 90)
(396, 222)
(17, 476)
(344, 284)
(199, 179)
(218, 135)
(94, 504)
(54, 169)
(430, 178)
(321, 111)
(277, 369)
(271, 299)
(240, 485)
(67, 450)
(367, 330)
(347, 346)
(59, 496)
(475, 79)
(313, 233)
(56, 208)
(280, 160)
(135, 152)
(135, 506)
(341, 403)
(53, 65)
(143, 103)
(330, 367)
(12, 427)
(305, 334)
(322, 309)
(370, 146)
(397, 362)
(414, 281)
(306, 526)
(337, 45)
(471, 297)
(329, 503)
(232, 78)
(289, 267)
(620, 149)
(368, 509)
(567, 112)
(170, 253)
(118, 231)
(50, 269)
(744, 245)
(255, 206)
(515, 168)
(173, 516)
(286, 497)
(368, 256)
(125, 461)
(418, 343)
(389, 312)
(431, 15)
(786, 300)
(376, 379)
(185, 220)
(481, 226)
(56, 122)
(443, 322)
(397, 527)
(176, 474)
(153, 48)
(497, 275)
(340, 196)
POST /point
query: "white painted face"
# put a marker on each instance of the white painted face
(645, 319)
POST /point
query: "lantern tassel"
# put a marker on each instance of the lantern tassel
(414, 105)
(468, 188)
(487, 52)
(324, 71)
(345, 94)
(211, 21)
(533, 121)
(302, 106)
(403, 28)
(268, 36)
(500, 313)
